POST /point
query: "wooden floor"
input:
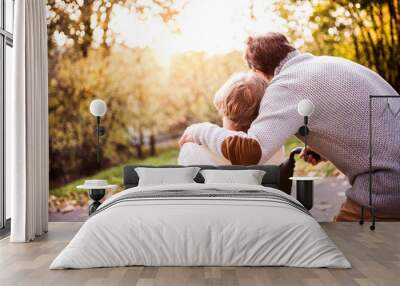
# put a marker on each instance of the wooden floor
(375, 257)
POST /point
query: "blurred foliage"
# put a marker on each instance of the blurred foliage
(193, 79)
(75, 83)
(85, 24)
(365, 31)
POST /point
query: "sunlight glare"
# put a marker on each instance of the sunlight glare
(211, 26)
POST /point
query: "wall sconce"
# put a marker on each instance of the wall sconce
(98, 108)
(305, 108)
(305, 185)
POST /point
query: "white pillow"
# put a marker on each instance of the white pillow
(248, 177)
(166, 176)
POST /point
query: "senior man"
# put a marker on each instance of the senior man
(340, 91)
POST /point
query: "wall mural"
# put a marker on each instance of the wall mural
(158, 65)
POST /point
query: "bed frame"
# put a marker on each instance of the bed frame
(275, 177)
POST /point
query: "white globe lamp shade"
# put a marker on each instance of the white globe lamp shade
(98, 107)
(305, 107)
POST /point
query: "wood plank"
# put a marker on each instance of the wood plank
(375, 257)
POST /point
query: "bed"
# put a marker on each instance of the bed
(201, 224)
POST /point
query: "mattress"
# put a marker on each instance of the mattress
(201, 225)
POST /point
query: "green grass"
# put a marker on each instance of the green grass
(114, 174)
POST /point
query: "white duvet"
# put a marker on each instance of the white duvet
(200, 231)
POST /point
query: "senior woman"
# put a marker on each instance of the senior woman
(340, 91)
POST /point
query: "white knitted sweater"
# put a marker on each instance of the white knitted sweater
(340, 91)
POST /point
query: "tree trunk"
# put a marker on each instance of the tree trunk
(85, 19)
(152, 145)
(139, 146)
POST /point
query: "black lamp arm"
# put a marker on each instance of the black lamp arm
(100, 131)
(303, 130)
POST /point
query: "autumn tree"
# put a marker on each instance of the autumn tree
(367, 32)
(193, 80)
(85, 63)
(77, 22)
